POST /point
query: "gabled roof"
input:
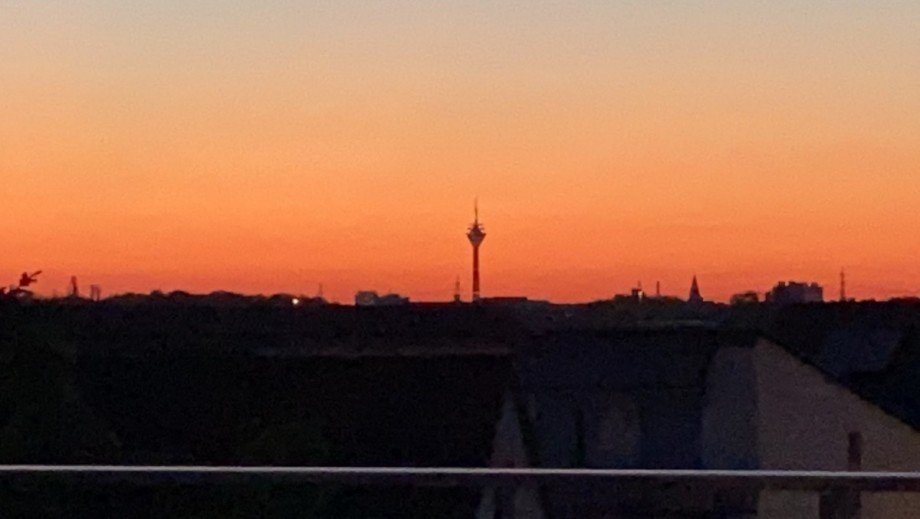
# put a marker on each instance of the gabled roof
(880, 396)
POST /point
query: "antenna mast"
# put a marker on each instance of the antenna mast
(843, 286)
(457, 290)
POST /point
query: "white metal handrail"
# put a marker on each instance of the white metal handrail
(456, 476)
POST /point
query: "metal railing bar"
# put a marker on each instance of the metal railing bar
(456, 476)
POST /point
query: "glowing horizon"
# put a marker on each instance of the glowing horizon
(266, 147)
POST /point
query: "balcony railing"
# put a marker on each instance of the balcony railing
(840, 490)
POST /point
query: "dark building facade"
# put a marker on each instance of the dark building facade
(793, 292)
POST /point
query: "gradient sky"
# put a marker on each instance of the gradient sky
(267, 146)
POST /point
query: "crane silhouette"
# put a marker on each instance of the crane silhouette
(19, 290)
(27, 279)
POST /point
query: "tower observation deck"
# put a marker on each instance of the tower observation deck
(476, 234)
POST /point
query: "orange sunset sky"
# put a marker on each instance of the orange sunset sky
(269, 146)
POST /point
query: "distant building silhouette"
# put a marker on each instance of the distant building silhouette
(371, 298)
(476, 234)
(792, 292)
(745, 298)
(637, 293)
(695, 296)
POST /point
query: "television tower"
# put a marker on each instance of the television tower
(476, 234)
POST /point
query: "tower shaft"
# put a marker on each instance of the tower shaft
(475, 272)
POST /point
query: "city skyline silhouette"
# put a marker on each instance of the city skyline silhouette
(245, 273)
(271, 148)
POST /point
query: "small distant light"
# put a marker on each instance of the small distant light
(295, 301)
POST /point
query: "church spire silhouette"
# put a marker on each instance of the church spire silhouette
(695, 296)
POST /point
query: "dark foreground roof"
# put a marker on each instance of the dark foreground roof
(416, 386)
